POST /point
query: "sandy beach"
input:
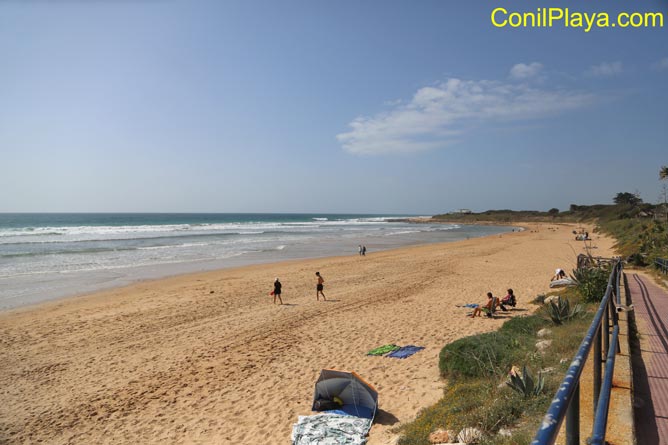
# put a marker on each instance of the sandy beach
(207, 358)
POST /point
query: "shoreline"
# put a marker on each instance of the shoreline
(81, 283)
(199, 275)
(201, 357)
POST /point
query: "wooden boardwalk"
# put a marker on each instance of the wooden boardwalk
(650, 368)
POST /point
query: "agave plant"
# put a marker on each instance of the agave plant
(525, 383)
(561, 311)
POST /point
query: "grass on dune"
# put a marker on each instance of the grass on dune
(477, 367)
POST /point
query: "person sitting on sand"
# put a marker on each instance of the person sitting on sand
(319, 287)
(558, 275)
(509, 300)
(488, 307)
(277, 291)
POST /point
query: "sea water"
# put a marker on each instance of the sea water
(48, 256)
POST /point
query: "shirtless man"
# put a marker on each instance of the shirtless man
(488, 308)
(319, 287)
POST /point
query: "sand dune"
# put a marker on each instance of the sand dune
(207, 358)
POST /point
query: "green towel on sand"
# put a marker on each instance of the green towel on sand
(382, 350)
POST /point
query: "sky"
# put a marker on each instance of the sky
(394, 107)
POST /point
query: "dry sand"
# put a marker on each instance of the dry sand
(207, 358)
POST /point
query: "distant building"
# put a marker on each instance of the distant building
(464, 211)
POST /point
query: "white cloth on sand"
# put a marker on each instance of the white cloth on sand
(330, 429)
(563, 282)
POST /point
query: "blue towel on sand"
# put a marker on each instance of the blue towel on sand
(405, 351)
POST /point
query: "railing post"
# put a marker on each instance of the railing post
(617, 301)
(596, 364)
(566, 402)
(573, 418)
(601, 418)
(605, 326)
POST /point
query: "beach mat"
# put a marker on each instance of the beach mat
(330, 429)
(563, 282)
(382, 350)
(405, 352)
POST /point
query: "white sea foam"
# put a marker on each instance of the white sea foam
(403, 232)
(98, 233)
(85, 255)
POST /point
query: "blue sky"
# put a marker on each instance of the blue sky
(324, 106)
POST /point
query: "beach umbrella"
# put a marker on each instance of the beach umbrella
(358, 397)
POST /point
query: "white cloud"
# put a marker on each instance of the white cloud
(438, 115)
(523, 71)
(605, 69)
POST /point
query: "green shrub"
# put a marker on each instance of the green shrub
(592, 283)
(523, 325)
(451, 412)
(501, 409)
(477, 356)
(474, 403)
(637, 260)
(479, 401)
(493, 353)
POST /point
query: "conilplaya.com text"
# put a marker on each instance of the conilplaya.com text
(565, 17)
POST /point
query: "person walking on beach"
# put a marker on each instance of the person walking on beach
(319, 287)
(277, 291)
(360, 249)
(363, 250)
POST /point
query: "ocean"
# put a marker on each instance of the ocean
(46, 256)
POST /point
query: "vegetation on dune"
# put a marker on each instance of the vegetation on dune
(592, 283)
(640, 228)
(502, 382)
(486, 388)
(561, 312)
(525, 384)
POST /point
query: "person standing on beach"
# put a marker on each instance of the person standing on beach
(363, 250)
(319, 287)
(360, 249)
(277, 291)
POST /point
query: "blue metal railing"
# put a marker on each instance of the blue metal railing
(601, 418)
(661, 264)
(566, 402)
